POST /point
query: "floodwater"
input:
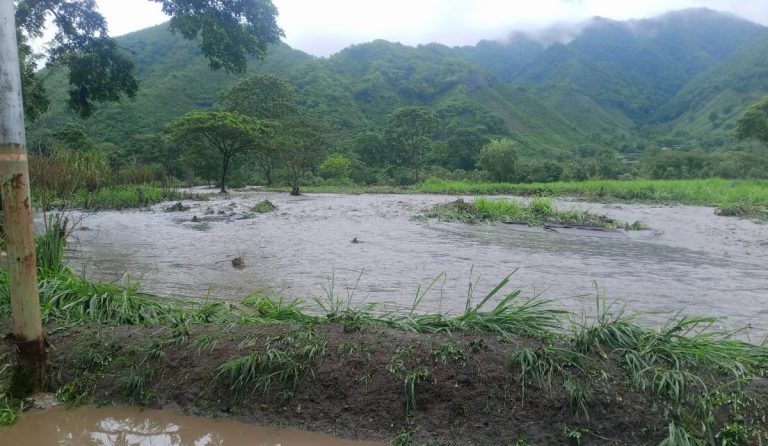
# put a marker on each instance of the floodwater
(89, 426)
(690, 260)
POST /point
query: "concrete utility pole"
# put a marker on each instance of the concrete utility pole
(17, 215)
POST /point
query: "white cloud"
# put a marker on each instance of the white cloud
(325, 27)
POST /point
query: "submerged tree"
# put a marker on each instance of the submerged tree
(230, 134)
(754, 123)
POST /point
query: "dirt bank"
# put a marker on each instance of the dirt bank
(360, 383)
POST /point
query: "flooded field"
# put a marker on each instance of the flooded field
(132, 426)
(688, 260)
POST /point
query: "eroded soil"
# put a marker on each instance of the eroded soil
(467, 392)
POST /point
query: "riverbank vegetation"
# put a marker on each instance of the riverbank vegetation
(706, 192)
(537, 212)
(507, 369)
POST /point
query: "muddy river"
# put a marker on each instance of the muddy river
(132, 426)
(688, 260)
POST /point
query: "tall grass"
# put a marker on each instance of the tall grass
(85, 179)
(64, 172)
(117, 197)
(706, 192)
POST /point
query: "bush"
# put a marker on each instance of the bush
(335, 167)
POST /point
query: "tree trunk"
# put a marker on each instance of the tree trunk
(224, 167)
(268, 172)
(30, 371)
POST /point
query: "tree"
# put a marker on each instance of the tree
(302, 145)
(462, 147)
(499, 158)
(265, 97)
(262, 96)
(335, 167)
(227, 31)
(228, 133)
(754, 123)
(72, 136)
(410, 131)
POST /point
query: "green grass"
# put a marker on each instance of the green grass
(747, 198)
(263, 207)
(694, 374)
(706, 192)
(281, 368)
(117, 197)
(539, 211)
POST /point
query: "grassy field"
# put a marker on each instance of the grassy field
(709, 192)
(747, 198)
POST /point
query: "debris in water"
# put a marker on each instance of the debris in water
(195, 219)
(177, 207)
(355, 241)
(238, 263)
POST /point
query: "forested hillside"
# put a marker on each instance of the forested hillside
(618, 88)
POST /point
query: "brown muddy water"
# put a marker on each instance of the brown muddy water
(690, 260)
(132, 426)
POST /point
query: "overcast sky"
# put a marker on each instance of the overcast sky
(324, 27)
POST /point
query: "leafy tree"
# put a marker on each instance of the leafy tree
(227, 31)
(461, 148)
(410, 131)
(609, 164)
(302, 145)
(754, 123)
(72, 136)
(228, 133)
(335, 166)
(538, 171)
(499, 158)
(371, 149)
(265, 97)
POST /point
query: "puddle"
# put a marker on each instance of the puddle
(112, 426)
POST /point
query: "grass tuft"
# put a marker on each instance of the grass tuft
(263, 207)
(538, 212)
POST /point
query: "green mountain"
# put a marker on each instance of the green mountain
(707, 107)
(621, 73)
(174, 79)
(684, 76)
(354, 89)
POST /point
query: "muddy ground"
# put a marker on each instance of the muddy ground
(467, 391)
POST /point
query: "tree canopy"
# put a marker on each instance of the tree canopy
(754, 123)
(228, 133)
(410, 131)
(499, 158)
(264, 96)
(302, 146)
(228, 32)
